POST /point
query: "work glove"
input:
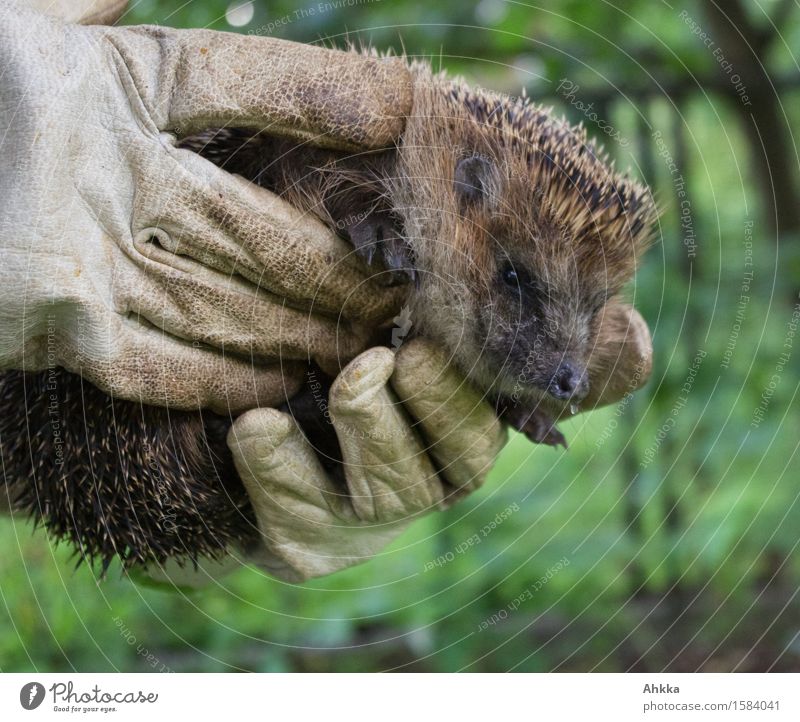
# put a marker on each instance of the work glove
(140, 265)
(622, 358)
(415, 437)
(394, 472)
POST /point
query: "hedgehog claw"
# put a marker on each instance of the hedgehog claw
(375, 237)
(537, 425)
(541, 429)
(397, 261)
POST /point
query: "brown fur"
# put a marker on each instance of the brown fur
(553, 204)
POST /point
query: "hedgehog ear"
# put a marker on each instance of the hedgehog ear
(472, 180)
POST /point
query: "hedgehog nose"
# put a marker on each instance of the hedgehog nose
(569, 383)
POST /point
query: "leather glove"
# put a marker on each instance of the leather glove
(415, 437)
(394, 471)
(135, 263)
(622, 358)
(313, 525)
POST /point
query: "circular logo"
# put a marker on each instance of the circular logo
(31, 695)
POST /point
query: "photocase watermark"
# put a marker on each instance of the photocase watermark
(89, 701)
(31, 695)
(66, 698)
(508, 98)
(357, 432)
(503, 614)
(744, 296)
(320, 398)
(473, 540)
(718, 55)
(350, 220)
(150, 659)
(525, 375)
(684, 204)
(780, 365)
(568, 90)
(623, 403)
(680, 402)
(319, 389)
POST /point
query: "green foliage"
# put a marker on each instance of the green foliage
(681, 550)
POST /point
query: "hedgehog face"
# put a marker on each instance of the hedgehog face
(530, 288)
(515, 290)
(538, 331)
(522, 231)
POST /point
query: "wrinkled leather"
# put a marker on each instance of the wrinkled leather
(311, 525)
(133, 262)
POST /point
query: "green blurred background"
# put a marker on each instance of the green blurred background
(666, 538)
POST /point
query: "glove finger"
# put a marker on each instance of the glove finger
(199, 304)
(389, 476)
(280, 468)
(304, 520)
(622, 358)
(198, 79)
(462, 429)
(143, 364)
(236, 227)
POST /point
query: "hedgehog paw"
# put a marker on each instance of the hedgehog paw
(538, 426)
(376, 239)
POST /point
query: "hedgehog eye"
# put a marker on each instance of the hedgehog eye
(514, 277)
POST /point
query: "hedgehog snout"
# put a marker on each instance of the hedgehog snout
(570, 382)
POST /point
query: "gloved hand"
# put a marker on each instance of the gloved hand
(415, 437)
(134, 263)
(622, 358)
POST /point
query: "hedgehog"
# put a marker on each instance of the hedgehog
(510, 232)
